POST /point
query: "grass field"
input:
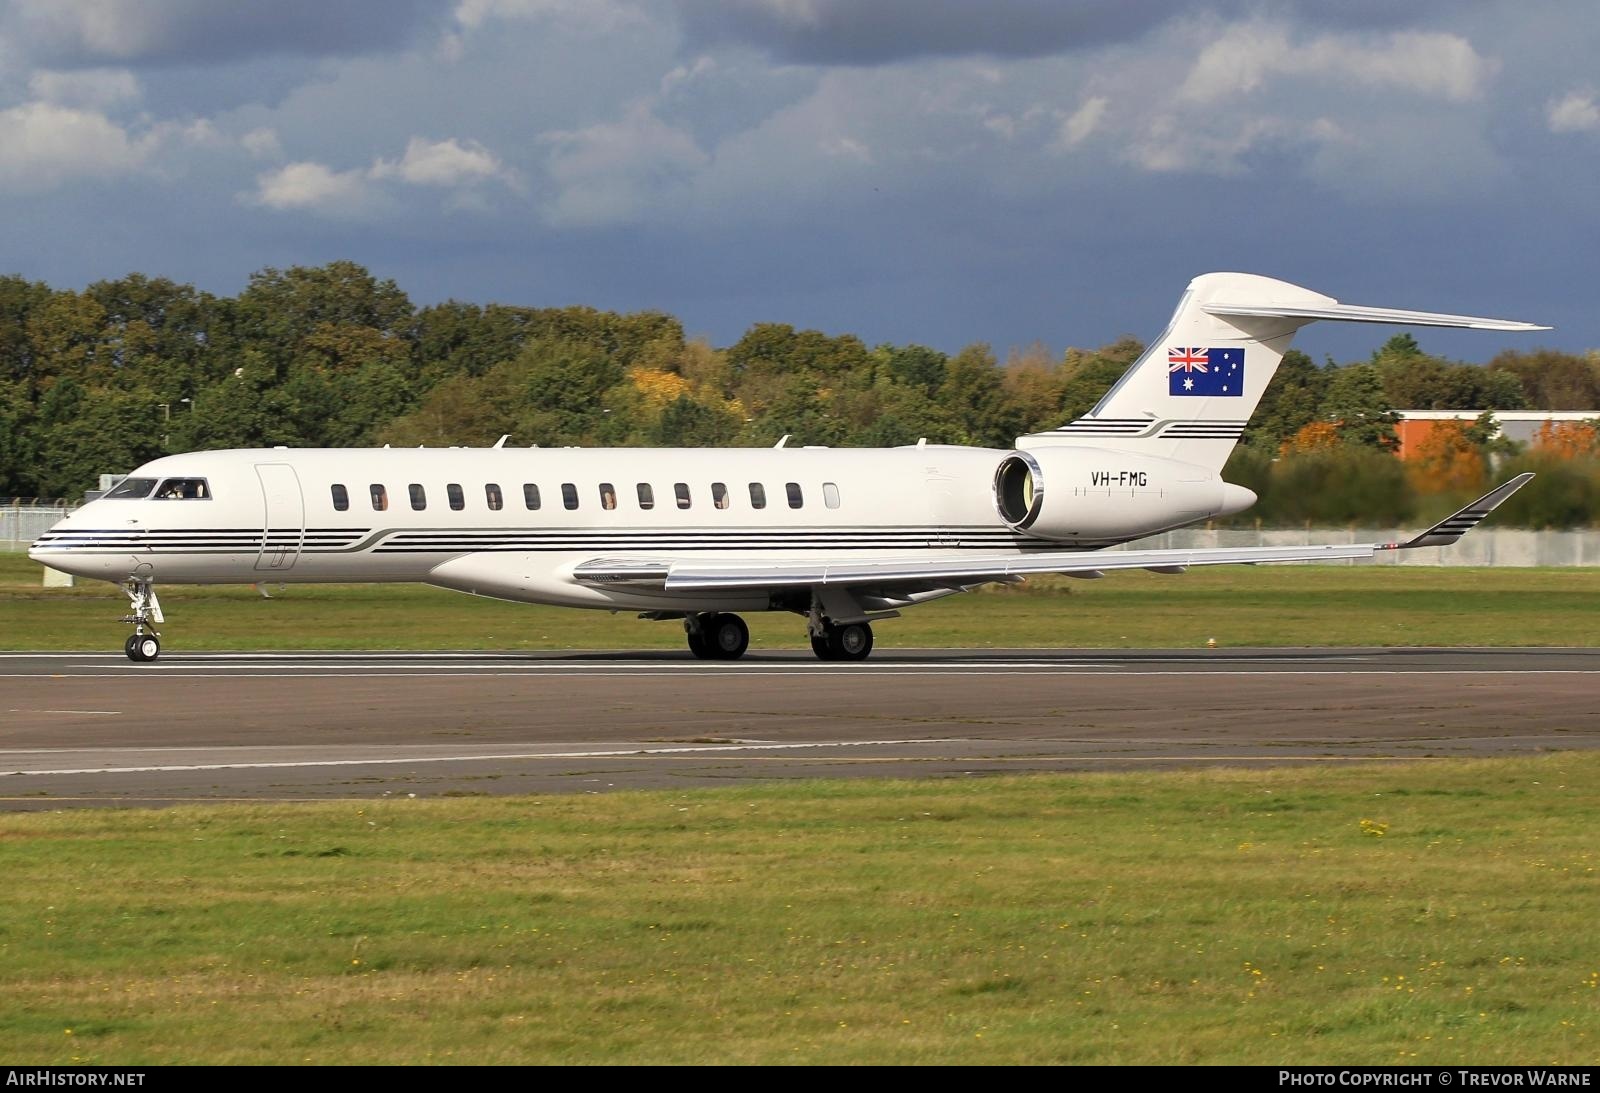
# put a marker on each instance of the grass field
(1237, 605)
(1437, 912)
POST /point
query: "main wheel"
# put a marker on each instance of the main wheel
(821, 647)
(851, 642)
(698, 644)
(131, 647)
(143, 648)
(727, 635)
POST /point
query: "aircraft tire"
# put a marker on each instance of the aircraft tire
(850, 642)
(143, 649)
(698, 645)
(726, 635)
(822, 647)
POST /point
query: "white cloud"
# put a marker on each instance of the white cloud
(1246, 56)
(442, 163)
(1170, 145)
(685, 74)
(316, 188)
(602, 15)
(1077, 126)
(262, 143)
(95, 88)
(1576, 112)
(46, 144)
(608, 173)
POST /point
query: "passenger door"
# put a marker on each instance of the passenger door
(284, 517)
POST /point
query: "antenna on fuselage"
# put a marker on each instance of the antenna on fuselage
(784, 439)
(501, 443)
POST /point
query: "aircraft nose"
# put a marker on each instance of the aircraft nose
(43, 551)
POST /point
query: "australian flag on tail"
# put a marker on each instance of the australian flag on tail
(1205, 372)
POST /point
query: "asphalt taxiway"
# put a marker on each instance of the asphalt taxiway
(95, 729)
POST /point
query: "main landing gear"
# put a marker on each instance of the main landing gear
(144, 644)
(717, 635)
(851, 641)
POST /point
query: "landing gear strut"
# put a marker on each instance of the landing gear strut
(717, 635)
(144, 644)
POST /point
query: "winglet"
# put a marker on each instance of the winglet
(1453, 527)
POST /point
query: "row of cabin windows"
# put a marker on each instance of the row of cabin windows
(495, 500)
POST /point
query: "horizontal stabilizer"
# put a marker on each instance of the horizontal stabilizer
(1351, 313)
(1457, 524)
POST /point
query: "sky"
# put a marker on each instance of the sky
(910, 171)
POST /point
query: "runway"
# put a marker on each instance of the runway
(83, 729)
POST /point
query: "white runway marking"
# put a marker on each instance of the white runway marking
(621, 752)
(175, 672)
(108, 713)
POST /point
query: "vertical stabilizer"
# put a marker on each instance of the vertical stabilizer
(1193, 391)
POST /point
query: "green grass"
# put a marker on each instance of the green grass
(1237, 605)
(1232, 916)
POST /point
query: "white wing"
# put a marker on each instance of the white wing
(960, 572)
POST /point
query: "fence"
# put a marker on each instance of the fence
(24, 519)
(1483, 546)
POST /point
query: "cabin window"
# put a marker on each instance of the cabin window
(131, 489)
(569, 495)
(681, 491)
(380, 498)
(608, 496)
(341, 498)
(419, 496)
(758, 495)
(795, 499)
(719, 494)
(458, 500)
(493, 498)
(647, 496)
(183, 489)
(530, 495)
(830, 495)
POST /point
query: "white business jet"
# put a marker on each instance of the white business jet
(842, 537)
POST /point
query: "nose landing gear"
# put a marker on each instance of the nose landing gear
(144, 644)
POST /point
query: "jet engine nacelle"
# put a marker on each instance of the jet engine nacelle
(1070, 493)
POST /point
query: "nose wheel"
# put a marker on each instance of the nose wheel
(142, 648)
(144, 644)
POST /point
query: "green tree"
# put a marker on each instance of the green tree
(1553, 380)
(972, 395)
(278, 309)
(1355, 402)
(1291, 402)
(685, 423)
(90, 433)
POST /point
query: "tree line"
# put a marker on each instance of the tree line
(126, 370)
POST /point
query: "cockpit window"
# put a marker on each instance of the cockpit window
(131, 489)
(183, 489)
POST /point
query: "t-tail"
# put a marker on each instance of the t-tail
(1189, 397)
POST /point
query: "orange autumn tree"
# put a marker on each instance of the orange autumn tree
(1568, 439)
(1448, 459)
(1316, 436)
